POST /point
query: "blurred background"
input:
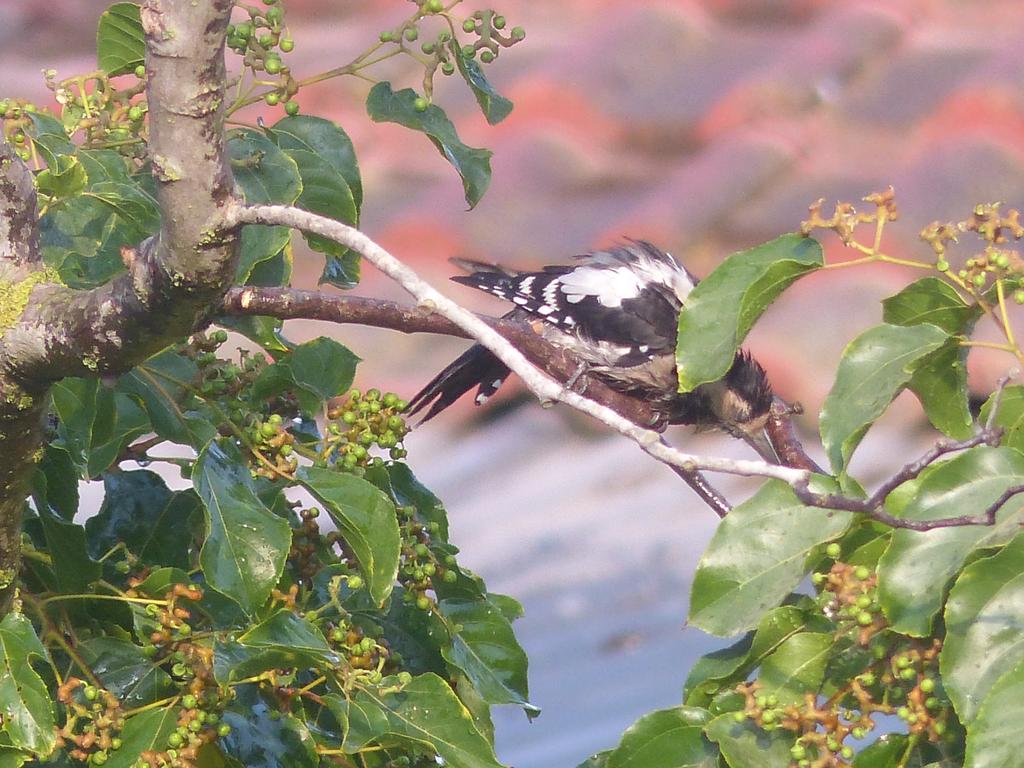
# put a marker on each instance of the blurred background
(705, 127)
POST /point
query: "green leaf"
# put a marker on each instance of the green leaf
(96, 423)
(744, 745)
(1010, 416)
(797, 667)
(886, 752)
(473, 165)
(721, 309)
(58, 479)
(494, 106)
(757, 556)
(484, 646)
(260, 244)
(66, 542)
(125, 671)
(598, 760)
(246, 544)
(120, 41)
(426, 712)
(940, 383)
(158, 526)
(876, 366)
(666, 738)
(145, 732)
(725, 667)
(406, 490)
(281, 642)
(331, 185)
(263, 172)
(162, 386)
(993, 739)
(916, 567)
(316, 370)
(933, 301)
(262, 737)
(27, 708)
(366, 518)
(984, 628)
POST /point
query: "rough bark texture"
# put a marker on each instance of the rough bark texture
(172, 281)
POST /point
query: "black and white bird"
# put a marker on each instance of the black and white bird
(617, 310)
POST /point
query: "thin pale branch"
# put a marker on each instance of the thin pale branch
(544, 387)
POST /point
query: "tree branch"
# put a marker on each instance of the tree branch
(874, 506)
(538, 382)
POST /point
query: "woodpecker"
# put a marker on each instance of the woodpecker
(617, 310)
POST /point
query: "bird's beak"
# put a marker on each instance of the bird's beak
(758, 440)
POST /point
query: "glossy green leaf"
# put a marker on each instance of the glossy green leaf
(263, 172)
(796, 667)
(331, 185)
(406, 490)
(917, 566)
(66, 179)
(27, 708)
(120, 41)
(484, 646)
(163, 387)
(758, 555)
(286, 630)
(886, 752)
(316, 370)
(66, 542)
(125, 671)
(984, 628)
(426, 712)
(598, 760)
(260, 244)
(723, 307)
(744, 745)
(57, 481)
(1009, 417)
(940, 383)
(666, 738)
(993, 739)
(145, 732)
(96, 423)
(731, 665)
(930, 300)
(876, 366)
(246, 544)
(158, 526)
(473, 165)
(366, 519)
(262, 737)
(13, 758)
(494, 106)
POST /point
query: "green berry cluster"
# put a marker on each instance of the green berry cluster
(366, 652)
(260, 40)
(108, 116)
(848, 595)
(307, 544)
(420, 565)
(444, 49)
(15, 116)
(272, 448)
(172, 645)
(93, 722)
(897, 675)
(362, 422)
(996, 262)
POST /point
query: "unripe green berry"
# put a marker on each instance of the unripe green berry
(864, 618)
(833, 550)
(858, 732)
(449, 68)
(287, 45)
(518, 33)
(940, 728)
(292, 108)
(739, 717)
(355, 582)
(404, 678)
(468, 25)
(498, 22)
(386, 36)
(927, 685)
(846, 752)
(979, 280)
(272, 65)
(861, 573)
(433, 6)
(942, 265)
(450, 577)
(908, 674)
(175, 740)
(274, 15)
(90, 693)
(223, 730)
(903, 713)
(272, 99)
(931, 702)
(410, 33)
(99, 758)
(188, 701)
(423, 603)
(768, 717)
(140, 71)
(486, 56)
(469, 51)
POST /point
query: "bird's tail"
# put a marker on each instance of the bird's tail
(476, 367)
